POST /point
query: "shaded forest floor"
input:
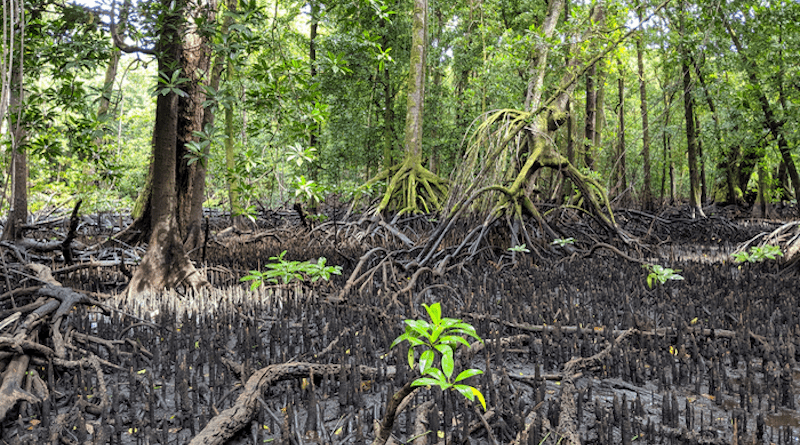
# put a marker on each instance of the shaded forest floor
(576, 345)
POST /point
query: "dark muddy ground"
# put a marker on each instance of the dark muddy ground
(576, 347)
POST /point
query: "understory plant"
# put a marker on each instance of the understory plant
(660, 274)
(439, 339)
(284, 271)
(757, 254)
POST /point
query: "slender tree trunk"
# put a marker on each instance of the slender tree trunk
(700, 157)
(416, 82)
(667, 142)
(591, 112)
(570, 134)
(388, 111)
(18, 212)
(691, 136)
(622, 181)
(600, 115)
(230, 154)
(647, 194)
(727, 189)
(433, 158)
(314, 131)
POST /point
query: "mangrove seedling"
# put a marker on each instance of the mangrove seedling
(440, 338)
(660, 274)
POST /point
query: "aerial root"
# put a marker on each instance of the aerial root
(411, 189)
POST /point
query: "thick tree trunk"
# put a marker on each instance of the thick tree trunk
(195, 63)
(166, 265)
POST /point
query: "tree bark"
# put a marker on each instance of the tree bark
(18, 213)
(166, 265)
(691, 136)
(647, 194)
(621, 170)
(416, 81)
(195, 62)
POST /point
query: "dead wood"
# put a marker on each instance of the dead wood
(230, 421)
(384, 429)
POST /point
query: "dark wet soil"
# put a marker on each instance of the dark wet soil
(711, 358)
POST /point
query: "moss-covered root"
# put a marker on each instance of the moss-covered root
(412, 188)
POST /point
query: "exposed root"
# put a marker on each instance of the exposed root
(230, 421)
(412, 188)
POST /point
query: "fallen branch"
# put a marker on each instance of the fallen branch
(230, 421)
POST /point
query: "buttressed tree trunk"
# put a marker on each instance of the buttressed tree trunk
(166, 265)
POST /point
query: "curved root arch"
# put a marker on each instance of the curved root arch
(412, 188)
(509, 147)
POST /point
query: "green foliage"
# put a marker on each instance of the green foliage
(308, 191)
(758, 254)
(167, 83)
(660, 274)
(440, 338)
(561, 242)
(521, 248)
(199, 150)
(284, 271)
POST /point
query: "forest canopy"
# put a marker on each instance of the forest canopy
(661, 103)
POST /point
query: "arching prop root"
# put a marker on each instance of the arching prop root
(412, 188)
(24, 349)
(787, 237)
(488, 159)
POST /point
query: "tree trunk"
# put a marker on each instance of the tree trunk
(412, 188)
(691, 136)
(416, 82)
(313, 134)
(591, 112)
(433, 158)
(388, 111)
(195, 63)
(18, 212)
(647, 194)
(621, 170)
(166, 265)
(230, 155)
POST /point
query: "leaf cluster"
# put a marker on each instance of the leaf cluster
(660, 274)
(757, 254)
(442, 335)
(284, 271)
